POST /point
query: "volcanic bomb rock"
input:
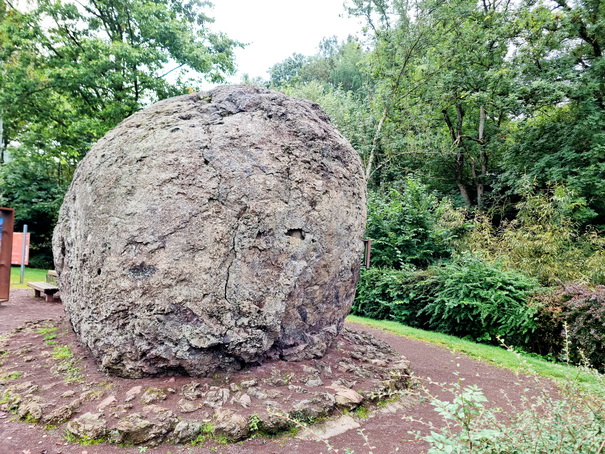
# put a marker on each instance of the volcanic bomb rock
(210, 231)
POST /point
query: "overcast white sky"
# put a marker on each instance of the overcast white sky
(276, 29)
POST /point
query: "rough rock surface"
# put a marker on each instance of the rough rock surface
(88, 426)
(210, 231)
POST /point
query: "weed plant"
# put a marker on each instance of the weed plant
(67, 364)
(565, 420)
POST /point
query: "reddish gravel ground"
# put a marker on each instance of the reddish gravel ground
(385, 429)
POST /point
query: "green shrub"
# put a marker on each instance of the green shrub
(474, 299)
(466, 298)
(41, 260)
(411, 226)
(388, 294)
(547, 339)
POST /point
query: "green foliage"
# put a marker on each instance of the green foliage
(573, 422)
(11, 376)
(389, 294)
(561, 147)
(561, 66)
(411, 226)
(62, 352)
(75, 70)
(338, 65)
(84, 440)
(49, 332)
(443, 90)
(584, 317)
(476, 97)
(206, 433)
(547, 339)
(543, 241)
(466, 297)
(465, 411)
(288, 71)
(470, 298)
(362, 412)
(67, 364)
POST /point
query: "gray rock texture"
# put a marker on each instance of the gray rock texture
(210, 231)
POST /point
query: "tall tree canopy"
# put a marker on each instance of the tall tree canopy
(73, 69)
(482, 97)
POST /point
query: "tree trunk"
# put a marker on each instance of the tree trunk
(480, 181)
(459, 164)
(370, 162)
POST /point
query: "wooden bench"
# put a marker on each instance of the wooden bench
(48, 289)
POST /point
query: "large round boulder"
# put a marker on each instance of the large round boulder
(210, 231)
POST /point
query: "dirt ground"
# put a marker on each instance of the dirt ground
(384, 430)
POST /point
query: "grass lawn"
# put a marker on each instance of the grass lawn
(497, 356)
(31, 275)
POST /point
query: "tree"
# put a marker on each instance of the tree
(397, 42)
(72, 69)
(561, 138)
(288, 71)
(445, 87)
(484, 96)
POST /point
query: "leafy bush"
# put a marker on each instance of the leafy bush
(42, 260)
(411, 226)
(388, 294)
(466, 298)
(543, 241)
(547, 339)
(471, 298)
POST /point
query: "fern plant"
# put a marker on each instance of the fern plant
(471, 298)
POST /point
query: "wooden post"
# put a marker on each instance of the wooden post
(366, 253)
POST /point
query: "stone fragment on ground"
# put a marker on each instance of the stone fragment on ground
(151, 427)
(89, 426)
(30, 408)
(230, 425)
(330, 428)
(152, 395)
(185, 432)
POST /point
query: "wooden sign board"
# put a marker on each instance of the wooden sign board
(7, 221)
